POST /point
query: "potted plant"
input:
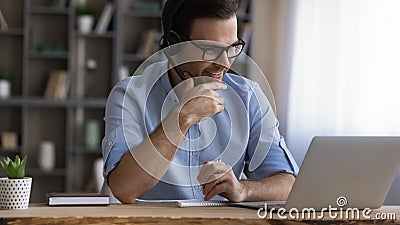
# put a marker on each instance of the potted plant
(15, 189)
(5, 84)
(85, 19)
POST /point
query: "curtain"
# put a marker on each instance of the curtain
(345, 73)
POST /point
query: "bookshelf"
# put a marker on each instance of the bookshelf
(43, 37)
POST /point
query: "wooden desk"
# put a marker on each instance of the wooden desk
(130, 214)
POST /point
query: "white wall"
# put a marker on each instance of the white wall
(271, 47)
(271, 50)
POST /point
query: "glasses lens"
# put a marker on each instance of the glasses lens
(234, 51)
(212, 53)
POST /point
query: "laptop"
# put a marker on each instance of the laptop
(343, 172)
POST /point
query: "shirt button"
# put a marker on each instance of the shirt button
(109, 143)
(194, 153)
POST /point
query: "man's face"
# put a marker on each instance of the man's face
(221, 33)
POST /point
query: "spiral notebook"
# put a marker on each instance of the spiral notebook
(211, 203)
(182, 203)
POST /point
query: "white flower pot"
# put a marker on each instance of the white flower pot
(5, 89)
(15, 193)
(85, 24)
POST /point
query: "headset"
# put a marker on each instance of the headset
(170, 38)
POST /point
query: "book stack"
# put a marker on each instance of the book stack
(57, 85)
(59, 199)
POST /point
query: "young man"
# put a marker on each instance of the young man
(167, 138)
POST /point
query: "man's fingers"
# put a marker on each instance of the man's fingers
(189, 80)
(183, 87)
(183, 90)
(213, 181)
(220, 100)
(213, 95)
(209, 169)
(215, 85)
(218, 189)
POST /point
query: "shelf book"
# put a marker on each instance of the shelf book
(104, 19)
(9, 140)
(57, 85)
(148, 43)
(3, 22)
(65, 199)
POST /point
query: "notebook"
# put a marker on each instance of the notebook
(181, 203)
(64, 199)
(211, 203)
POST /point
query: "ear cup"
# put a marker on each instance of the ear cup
(172, 39)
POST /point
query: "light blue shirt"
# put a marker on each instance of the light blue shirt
(246, 132)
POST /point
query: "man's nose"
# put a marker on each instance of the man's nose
(223, 60)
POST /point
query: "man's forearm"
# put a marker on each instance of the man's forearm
(274, 188)
(141, 168)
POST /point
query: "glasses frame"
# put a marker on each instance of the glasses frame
(240, 42)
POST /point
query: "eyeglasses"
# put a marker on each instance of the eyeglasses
(211, 53)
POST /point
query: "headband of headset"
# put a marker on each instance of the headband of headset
(169, 38)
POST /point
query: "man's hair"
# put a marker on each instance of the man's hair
(181, 20)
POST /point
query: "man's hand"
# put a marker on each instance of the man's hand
(201, 101)
(217, 178)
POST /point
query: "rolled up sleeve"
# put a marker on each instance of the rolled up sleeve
(114, 143)
(278, 159)
(266, 144)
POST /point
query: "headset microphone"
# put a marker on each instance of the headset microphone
(174, 66)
